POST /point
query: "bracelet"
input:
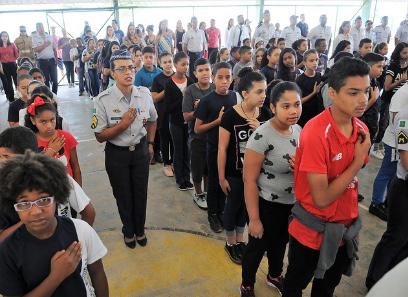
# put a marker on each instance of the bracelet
(150, 142)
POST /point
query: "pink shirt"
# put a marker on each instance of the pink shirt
(8, 54)
(214, 36)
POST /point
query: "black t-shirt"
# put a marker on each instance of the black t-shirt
(269, 73)
(395, 71)
(25, 261)
(158, 85)
(14, 108)
(370, 116)
(314, 105)
(208, 110)
(240, 131)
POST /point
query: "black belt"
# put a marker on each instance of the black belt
(130, 148)
(46, 59)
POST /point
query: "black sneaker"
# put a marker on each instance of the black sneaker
(379, 210)
(241, 246)
(215, 224)
(360, 197)
(189, 185)
(247, 291)
(233, 253)
(275, 282)
(182, 188)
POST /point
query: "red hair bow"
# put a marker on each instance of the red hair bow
(38, 101)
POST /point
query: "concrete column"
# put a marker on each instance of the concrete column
(261, 4)
(116, 10)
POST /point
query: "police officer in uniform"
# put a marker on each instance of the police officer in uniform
(393, 246)
(125, 117)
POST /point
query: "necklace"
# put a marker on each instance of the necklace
(253, 115)
(203, 92)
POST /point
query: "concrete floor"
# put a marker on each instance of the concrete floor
(183, 257)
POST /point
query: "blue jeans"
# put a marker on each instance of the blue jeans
(384, 176)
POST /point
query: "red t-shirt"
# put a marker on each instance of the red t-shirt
(324, 149)
(64, 155)
(214, 36)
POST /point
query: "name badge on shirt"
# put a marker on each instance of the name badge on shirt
(116, 118)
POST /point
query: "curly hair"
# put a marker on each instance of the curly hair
(32, 171)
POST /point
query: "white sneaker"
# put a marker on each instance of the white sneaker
(377, 154)
(200, 200)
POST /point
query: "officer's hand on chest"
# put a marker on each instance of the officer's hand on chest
(128, 117)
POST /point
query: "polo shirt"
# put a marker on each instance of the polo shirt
(265, 31)
(357, 34)
(324, 149)
(48, 52)
(144, 77)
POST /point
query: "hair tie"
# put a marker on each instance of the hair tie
(38, 101)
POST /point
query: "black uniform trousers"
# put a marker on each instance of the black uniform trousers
(128, 173)
(10, 75)
(393, 246)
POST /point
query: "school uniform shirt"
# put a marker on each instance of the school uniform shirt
(25, 259)
(14, 109)
(191, 94)
(265, 32)
(402, 32)
(324, 149)
(291, 35)
(370, 35)
(64, 155)
(240, 131)
(314, 105)
(401, 141)
(382, 34)
(144, 77)
(319, 32)
(304, 28)
(357, 35)
(397, 104)
(158, 85)
(77, 199)
(208, 110)
(275, 181)
(269, 73)
(111, 104)
(173, 100)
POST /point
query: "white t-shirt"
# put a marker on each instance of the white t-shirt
(381, 34)
(46, 53)
(357, 35)
(77, 199)
(402, 32)
(92, 250)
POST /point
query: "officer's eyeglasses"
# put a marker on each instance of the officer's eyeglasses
(123, 69)
(27, 205)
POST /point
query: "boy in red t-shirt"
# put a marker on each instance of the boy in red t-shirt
(333, 147)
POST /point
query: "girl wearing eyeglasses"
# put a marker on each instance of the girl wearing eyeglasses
(48, 255)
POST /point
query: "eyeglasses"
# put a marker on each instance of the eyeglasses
(27, 205)
(123, 69)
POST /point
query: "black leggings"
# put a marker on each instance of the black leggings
(274, 217)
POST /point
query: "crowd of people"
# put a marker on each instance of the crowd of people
(267, 129)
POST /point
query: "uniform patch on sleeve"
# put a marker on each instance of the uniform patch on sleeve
(94, 122)
(402, 138)
(402, 124)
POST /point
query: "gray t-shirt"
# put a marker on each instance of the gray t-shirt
(238, 67)
(275, 181)
(191, 94)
